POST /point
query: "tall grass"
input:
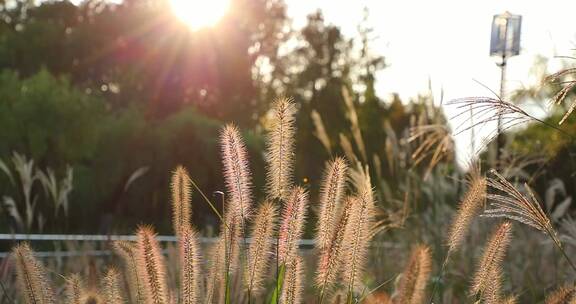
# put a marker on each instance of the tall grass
(257, 257)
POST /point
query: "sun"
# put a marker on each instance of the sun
(199, 14)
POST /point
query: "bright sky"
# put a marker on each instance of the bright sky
(448, 42)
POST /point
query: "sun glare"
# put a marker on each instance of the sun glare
(198, 14)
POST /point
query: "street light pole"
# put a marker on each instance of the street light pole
(505, 42)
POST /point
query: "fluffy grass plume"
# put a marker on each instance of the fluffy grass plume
(293, 284)
(510, 203)
(236, 171)
(73, 289)
(216, 269)
(31, 276)
(359, 229)
(111, 287)
(127, 251)
(262, 242)
(280, 149)
(563, 295)
(330, 257)
(180, 187)
(190, 268)
(331, 191)
(490, 265)
(224, 257)
(412, 286)
(471, 205)
(293, 218)
(92, 297)
(151, 266)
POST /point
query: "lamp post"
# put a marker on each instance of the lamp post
(505, 43)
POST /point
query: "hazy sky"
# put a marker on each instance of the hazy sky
(448, 42)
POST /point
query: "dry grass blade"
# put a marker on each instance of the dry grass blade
(31, 276)
(293, 285)
(567, 87)
(74, 289)
(111, 287)
(261, 246)
(490, 265)
(292, 226)
(412, 287)
(151, 266)
(320, 131)
(354, 123)
(127, 252)
(190, 268)
(471, 205)
(563, 295)
(280, 149)
(331, 192)
(181, 191)
(435, 143)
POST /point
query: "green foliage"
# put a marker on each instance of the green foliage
(47, 118)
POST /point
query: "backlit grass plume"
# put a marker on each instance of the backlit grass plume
(510, 203)
(31, 276)
(259, 251)
(471, 205)
(151, 266)
(216, 269)
(236, 171)
(331, 192)
(292, 226)
(359, 230)
(490, 265)
(127, 251)
(73, 289)
(330, 256)
(190, 269)
(293, 285)
(412, 286)
(280, 149)
(111, 287)
(180, 187)
(563, 295)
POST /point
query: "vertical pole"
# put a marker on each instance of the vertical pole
(500, 140)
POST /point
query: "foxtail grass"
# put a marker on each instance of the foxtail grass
(111, 287)
(330, 256)
(280, 149)
(293, 284)
(74, 289)
(486, 277)
(181, 194)
(331, 192)
(190, 269)
(151, 267)
(412, 286)
(127, 251)
(563, 295)
(359, 230)
(31, 276)
(259, 251)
